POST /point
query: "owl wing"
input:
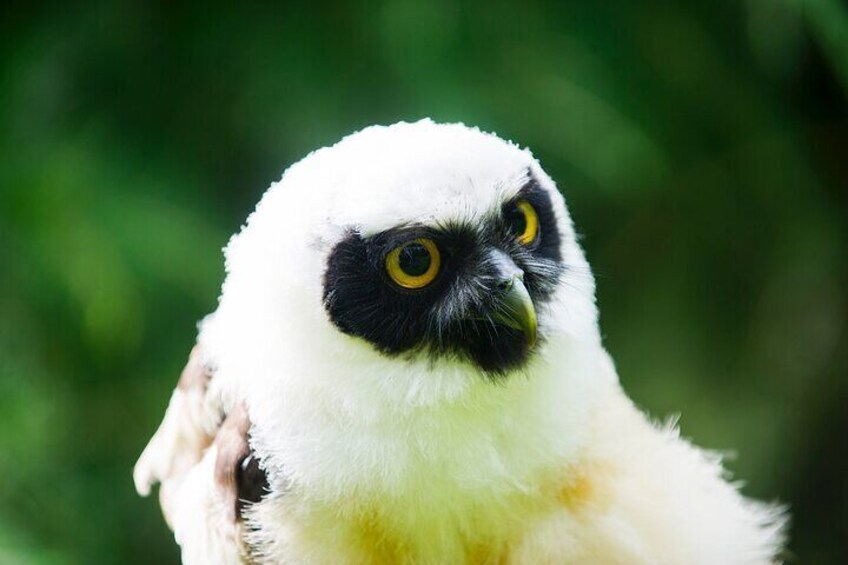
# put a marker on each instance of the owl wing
(201, 456)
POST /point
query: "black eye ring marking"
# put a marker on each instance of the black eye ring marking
(363, 300)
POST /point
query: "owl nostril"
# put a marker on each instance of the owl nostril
(505, 284)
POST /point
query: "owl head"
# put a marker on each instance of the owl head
(413, 261)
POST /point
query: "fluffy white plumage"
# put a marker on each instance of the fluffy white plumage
(373, 458)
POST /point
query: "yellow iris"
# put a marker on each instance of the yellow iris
(414, 264)
(528, 229)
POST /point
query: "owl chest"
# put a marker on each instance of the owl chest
(408, 508)
(424, 528)
(437, 523)
(452, 486)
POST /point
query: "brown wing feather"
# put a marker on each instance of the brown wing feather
(201, 456)
(237, 470)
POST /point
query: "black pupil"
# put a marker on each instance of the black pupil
(414, 259)
(516, 220)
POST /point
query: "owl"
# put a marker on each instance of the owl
(405, 366)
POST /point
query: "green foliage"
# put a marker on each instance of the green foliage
(701, 147)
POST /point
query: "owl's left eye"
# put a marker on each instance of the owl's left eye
(522, 222)
(414, 264)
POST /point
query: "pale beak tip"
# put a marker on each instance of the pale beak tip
(520, 313)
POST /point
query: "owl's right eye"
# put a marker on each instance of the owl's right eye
(414, 264)
(523, 222)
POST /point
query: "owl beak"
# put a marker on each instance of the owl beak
(514, 308)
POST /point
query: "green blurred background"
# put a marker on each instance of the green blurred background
(702, 147)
